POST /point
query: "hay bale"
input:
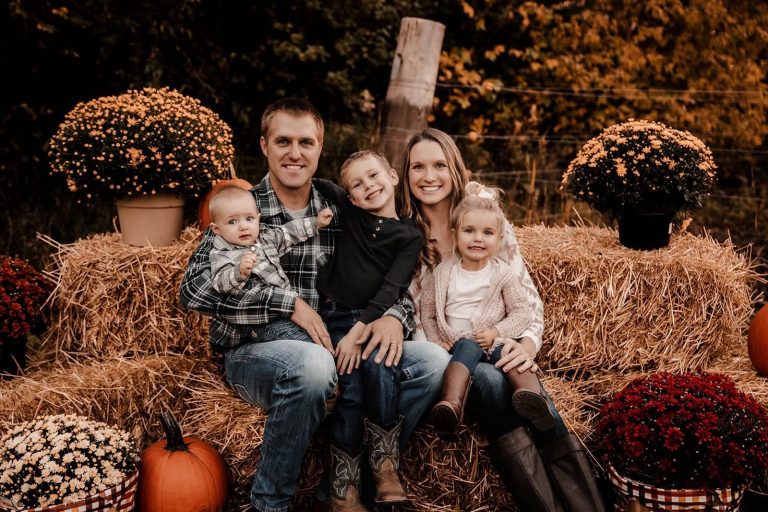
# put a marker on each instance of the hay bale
(115, 300)
(128, 393)
(607, 307)
(439, 474)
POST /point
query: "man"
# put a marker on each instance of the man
(291, 378)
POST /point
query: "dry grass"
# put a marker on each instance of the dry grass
(115, 300)
(607, 307)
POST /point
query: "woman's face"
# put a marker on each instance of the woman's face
(429, 177)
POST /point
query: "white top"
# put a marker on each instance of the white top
(466, 290)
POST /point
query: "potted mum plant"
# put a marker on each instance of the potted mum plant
(23, 291)
(67, 463)
(145, 148)
(692, 439)
(644, 174)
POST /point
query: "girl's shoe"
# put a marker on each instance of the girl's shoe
(447, 414)
(529, 400)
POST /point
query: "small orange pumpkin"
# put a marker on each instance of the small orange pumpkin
(203, 213)
(757, 341)
(181, 474)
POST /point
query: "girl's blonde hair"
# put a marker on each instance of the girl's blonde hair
(479, 197)
(411, 208)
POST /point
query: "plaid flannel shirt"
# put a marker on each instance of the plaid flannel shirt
(234, 315)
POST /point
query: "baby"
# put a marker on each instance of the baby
(245, 254)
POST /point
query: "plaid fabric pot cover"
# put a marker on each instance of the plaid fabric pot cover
(119, 498)
(658, 499)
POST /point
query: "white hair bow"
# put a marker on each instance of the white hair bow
(485, 194)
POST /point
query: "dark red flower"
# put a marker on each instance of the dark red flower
(684, 430)
(23, 291)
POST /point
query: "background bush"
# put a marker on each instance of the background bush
(522, 85)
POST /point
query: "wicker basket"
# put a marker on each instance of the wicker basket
(631, 493)
(119, 498)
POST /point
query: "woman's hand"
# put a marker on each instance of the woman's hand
(517, 355)
(387, 334)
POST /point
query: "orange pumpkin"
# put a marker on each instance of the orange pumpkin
(181, 474)
(757, 341)
(203, 214)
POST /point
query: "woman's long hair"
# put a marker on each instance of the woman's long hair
(411, 208)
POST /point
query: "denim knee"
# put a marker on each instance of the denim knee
(318, 374)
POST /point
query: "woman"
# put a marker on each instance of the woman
(434, 179)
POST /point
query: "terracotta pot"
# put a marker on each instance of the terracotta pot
(150, 220)
(645, 231)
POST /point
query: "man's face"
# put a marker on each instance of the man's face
(292, 149)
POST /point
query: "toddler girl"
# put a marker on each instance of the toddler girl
(474, 306)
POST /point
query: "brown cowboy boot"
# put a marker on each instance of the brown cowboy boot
(384, 459)
(518, 461)
(571, 475)
(528, 399)
(448, 412)
(345, 482)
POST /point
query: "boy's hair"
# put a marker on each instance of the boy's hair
(354, 157)
(296, 107)
(224, 194)
(409, 207)
(479, 197)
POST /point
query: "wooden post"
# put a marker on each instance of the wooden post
(411, 85)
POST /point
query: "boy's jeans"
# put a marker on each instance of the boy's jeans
(292, 380)
(370, 391)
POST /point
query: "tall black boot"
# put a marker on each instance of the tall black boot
(520, 465)
(572, 476)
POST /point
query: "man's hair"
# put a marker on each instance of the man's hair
(354, 157)
(296, 107)
(225, 194)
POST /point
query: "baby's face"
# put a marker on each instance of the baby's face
(237, 221)
(371, 187)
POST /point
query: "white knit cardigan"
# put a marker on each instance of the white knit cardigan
(505, 307)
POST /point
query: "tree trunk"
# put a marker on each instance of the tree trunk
(411, 85)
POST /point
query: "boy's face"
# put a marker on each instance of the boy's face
(371, 187)
(237, 220)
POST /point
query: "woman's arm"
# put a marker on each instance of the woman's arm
(511, 252)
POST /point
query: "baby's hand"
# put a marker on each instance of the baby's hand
(247, 262)
(324, 218)
(485, 337)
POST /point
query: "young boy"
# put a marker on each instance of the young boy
(370, 269)
(243, 253)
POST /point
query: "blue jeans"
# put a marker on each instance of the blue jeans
(421, 375)
(490, 400)
(370, 391)
(290, 379)
(280, 329)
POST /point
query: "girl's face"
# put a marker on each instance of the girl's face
(429, 177)
(478, 237)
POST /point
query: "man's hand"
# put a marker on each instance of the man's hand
(308, 319)
(387, 334)
(515, 355)
(485, 337)
(247, 262)
(324, 218)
